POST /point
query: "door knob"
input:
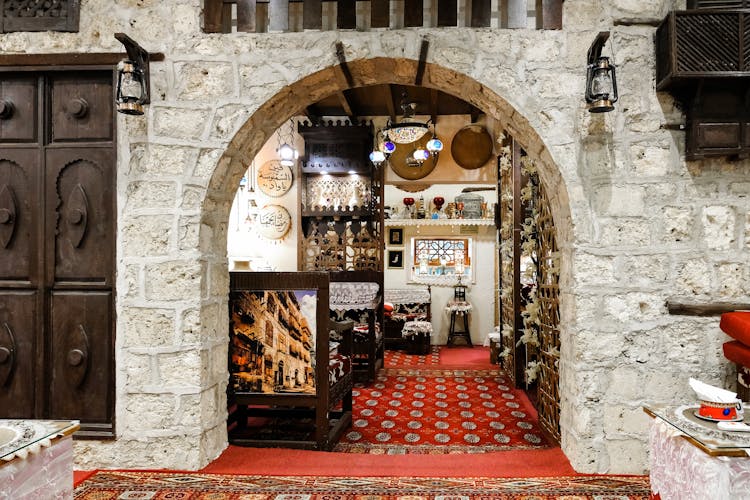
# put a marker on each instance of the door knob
(6, 109)
(76, 357)
(4, 355)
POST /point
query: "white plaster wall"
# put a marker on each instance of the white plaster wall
(636, 222)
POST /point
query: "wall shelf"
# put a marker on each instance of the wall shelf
(438, 222)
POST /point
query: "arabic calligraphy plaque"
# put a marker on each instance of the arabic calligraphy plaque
(273, 222)
(274, 179)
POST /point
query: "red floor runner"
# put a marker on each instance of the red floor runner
(439, 411)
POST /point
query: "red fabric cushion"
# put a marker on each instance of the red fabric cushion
(737, 352)
(387, 307)
(736, 325)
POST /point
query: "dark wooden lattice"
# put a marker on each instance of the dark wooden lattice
(709, 42)
(39, 15)
(548, 299)
(341, 246)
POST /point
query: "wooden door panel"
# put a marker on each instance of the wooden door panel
(19, 108)
(80, 215)
(81, 106)
(81, 381)
(19, 215)
(18, 312)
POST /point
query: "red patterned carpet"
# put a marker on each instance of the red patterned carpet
(400, 358)
(196, 486)
(440, 411)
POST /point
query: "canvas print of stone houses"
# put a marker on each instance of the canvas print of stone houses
(272, 341)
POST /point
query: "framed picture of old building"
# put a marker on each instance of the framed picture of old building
(274, 324)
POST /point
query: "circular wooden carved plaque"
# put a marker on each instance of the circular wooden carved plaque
(273, 222)
(274, 179)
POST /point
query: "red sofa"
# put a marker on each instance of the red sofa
(737, 325)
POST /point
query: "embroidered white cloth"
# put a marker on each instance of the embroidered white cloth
(459, 306)
(680, 470)
(407, 296)
(353, 295)
(412, 328)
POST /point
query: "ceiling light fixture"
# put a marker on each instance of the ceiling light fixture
(406, 131)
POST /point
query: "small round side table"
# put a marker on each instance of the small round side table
(417, 335)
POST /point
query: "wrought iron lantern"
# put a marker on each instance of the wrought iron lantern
(601, 80)
(132, 78)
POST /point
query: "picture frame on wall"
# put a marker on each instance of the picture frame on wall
(396, 236)
(395, 259)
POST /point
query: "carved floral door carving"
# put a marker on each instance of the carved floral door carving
(57, 230)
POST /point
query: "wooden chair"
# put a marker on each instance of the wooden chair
(269, 404)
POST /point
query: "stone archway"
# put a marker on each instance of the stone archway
(292, 99)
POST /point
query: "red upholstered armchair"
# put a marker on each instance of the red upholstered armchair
(737, 325)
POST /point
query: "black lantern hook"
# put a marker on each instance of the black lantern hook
(601, 80)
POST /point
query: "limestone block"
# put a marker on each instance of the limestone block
(150, 194)
(740, 188)
(639, 9)
(218, 359)
(146, 327)
(184, 369)
(144, 412)
(590, 269)
(640, 270)
(128, 281)
(731, 282)
(693, 277)
(188, 232)
(628, 456)
(192, 197)
(626, 419)
(189, 328)
(207, 160)
(747, 230)
(147, 235)
(259, 84)
(227, 120)
(584, 15)
(701, 188)
(134, 125)
(625, 231)
(214, 440)
(637, 306)
(598, 158)
(718, 227)
(648, 160)
(659, 193)
(159, 159)
(177, 280)
(620, 200)
(678, 223)
(213, 318)
(180, 123)
(626, 383)
(204, 81)
(137, 369)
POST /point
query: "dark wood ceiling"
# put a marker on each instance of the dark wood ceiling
(385, 100)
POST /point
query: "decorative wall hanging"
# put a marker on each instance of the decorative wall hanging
(275, 178)
(471, 147)
(273, 222)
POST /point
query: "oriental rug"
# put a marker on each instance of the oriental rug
(421, 411)
(131, 485)
(401, 358)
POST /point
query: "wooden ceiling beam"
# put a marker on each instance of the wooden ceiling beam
(434, 111)
(388, 97)
(346, 106)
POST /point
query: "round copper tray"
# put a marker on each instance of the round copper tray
(471, 147)
(411, 171)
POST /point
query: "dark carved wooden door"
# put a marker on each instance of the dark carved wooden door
(57, 233)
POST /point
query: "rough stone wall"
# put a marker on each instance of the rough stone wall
(636, 223)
